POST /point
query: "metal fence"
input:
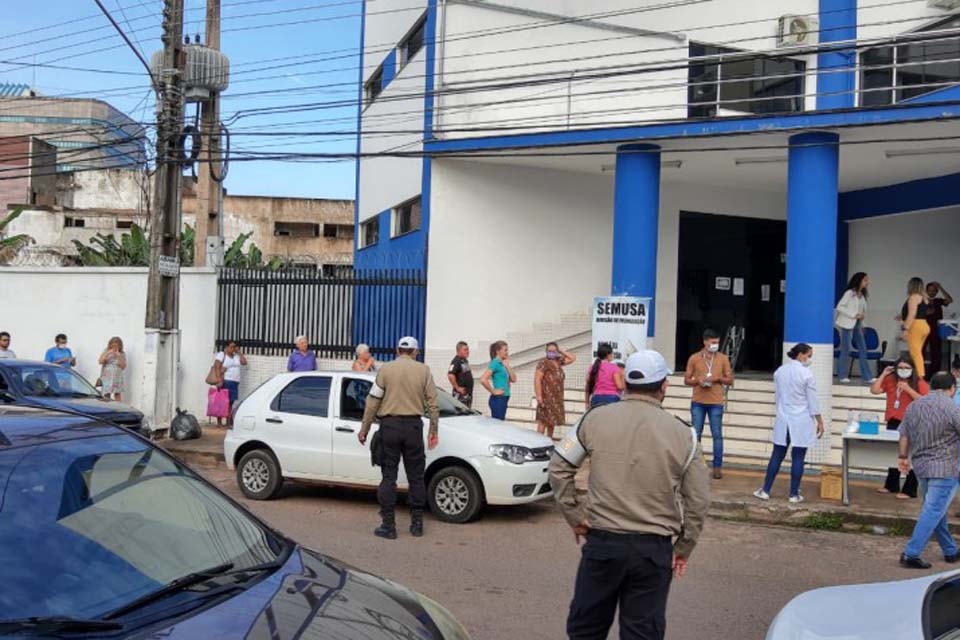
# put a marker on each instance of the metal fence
(265, 310)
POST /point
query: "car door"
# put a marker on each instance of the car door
(300, 426)
(351, 460)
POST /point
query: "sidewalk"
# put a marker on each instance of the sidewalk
(732, 497)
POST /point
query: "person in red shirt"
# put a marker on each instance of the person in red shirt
(902, 385)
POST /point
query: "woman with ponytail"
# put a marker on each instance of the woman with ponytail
(798, 422)
(605, 379)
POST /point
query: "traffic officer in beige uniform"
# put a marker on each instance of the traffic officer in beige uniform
(398, 397)
(647, 498)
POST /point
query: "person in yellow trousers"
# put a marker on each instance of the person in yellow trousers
(915, 326)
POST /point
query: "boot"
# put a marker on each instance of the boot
(388, 526)
(416, 523)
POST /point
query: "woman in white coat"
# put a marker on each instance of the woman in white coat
(848, 319)
(798, 420)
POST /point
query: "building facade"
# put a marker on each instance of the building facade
(733, 161)
(88, 134)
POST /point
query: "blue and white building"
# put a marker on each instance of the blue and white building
(735, 160)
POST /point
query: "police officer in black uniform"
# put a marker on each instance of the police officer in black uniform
(460, 375)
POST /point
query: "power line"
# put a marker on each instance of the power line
(123, 35)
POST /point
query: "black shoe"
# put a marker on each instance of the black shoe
(952, 559)
(416, 524)
(914, 563)
(388, 526)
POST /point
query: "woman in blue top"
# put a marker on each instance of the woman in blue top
(497, 379)
(60, 353)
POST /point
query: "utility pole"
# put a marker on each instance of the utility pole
(161, 344)
(209, 242)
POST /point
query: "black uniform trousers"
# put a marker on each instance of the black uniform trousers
(632, 571)
(402, 437)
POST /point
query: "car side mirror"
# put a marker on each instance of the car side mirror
(7, 397)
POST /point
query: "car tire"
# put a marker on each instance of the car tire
(258, 475)
(455, 495)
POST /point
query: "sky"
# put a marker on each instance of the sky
(324, 34)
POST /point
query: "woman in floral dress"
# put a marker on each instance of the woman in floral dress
(113, 362)
(548, 384)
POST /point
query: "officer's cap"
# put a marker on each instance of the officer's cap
(408, 343)
(646, 367)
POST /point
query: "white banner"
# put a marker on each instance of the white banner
(621, 322)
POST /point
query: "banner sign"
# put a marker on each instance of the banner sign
(621, 322)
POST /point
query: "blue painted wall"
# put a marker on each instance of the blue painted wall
(916, 195)
(836, 70)
(389, 67)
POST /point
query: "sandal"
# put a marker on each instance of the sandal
(903, 496)
(883, 490)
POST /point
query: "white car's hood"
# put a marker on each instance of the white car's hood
(881, 611)
(496, 431)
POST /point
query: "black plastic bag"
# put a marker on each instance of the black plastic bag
(185, 426)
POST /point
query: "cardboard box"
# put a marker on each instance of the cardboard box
(831, 484)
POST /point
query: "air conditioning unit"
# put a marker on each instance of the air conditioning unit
(797, 31)
(946, 5)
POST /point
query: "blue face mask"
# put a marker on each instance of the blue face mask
(552, 355)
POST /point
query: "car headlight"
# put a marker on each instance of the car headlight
(443, 619)
(511, 453)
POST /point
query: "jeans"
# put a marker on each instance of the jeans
(402, 439)
(600, 400)
(845, 361)
(699, 413)
(498, 407)
(632, 571)
(937, 495)
(798, 455)
(233, 388)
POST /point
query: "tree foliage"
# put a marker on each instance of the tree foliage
(11, 246)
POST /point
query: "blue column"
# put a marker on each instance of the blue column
(836, 70)
(636, 216)
(811, 237)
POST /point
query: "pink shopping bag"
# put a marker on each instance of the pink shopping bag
(218, 403)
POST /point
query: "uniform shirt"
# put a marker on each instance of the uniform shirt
(460, 367)
(231, 367)
(7, 354)
(932, 427)
(795, 393)
(404, 387)
(890, 388)
(698, 365)
(56, 353)
(501, 377)
(302, 361)
(646, 473)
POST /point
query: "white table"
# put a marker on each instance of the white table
(866, 451)
(954, 342)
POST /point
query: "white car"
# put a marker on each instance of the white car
(926, 608)
(304, 426)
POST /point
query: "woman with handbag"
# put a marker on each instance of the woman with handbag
(225, 374)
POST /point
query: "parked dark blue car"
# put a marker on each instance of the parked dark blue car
(32, 383)
(103, 535)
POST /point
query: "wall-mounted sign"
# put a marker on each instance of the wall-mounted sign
(765, 292)
(620, 321)
(738, 286)
(723, 283)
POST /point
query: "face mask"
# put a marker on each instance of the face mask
(904, 374)
(552, 355)
(713, 348)
(806, 363)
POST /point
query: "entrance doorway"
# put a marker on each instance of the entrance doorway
(730, 275)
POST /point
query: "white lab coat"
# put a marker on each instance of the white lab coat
(850, 306)
(797, 405)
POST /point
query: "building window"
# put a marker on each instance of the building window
(724, 79)
(406, 217)
(371, 231)
(296, 229)
(413, 43)
(898, 72)
(74, 223)
(338, 231)
(374, 86)
(124, 224)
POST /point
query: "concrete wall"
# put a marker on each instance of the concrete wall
(885, 19)
(650, 33)
(925, 245)
(513, 246)
(105, 189)
(90, 305)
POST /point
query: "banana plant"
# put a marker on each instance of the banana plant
(11, 246)
(132, 250)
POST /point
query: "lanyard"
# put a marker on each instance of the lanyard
(709, 363)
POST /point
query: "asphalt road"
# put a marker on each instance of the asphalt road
(510, 575)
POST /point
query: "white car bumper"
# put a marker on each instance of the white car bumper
(230, 445)
(508, 483)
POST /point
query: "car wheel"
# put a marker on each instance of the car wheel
(258, 475)
(455, 495)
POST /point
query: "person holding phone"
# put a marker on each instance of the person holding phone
(113, 362)
(60, 353)
(708, 372)
(901, 385)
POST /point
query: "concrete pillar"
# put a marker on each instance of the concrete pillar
(636, 217)
(836, 69)
(811, 259)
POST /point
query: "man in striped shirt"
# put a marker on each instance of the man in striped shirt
(930, 433)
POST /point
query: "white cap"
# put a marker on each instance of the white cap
(646, 367)
(408, 343)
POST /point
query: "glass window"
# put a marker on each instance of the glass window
(725, 79)
(374, 86)
(943, 609)
(107, 520)
(412, 44)
(406, 217)
(354, 398)
(49, 380)
(876, 77)
(308, 396)
(371, 231)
